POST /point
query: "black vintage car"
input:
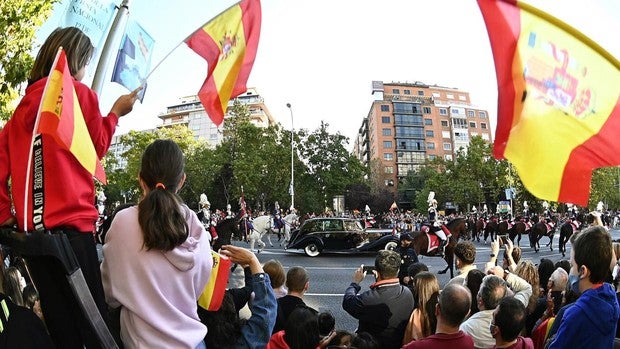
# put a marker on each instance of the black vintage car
(340, 235)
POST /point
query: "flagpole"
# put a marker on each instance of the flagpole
(184, 40)
(34, 136)
(107, 51)
(570, 30)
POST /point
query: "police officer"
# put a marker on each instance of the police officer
(407, 255)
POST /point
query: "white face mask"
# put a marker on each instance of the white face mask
(22, 282)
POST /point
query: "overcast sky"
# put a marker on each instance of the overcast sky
(321, 56)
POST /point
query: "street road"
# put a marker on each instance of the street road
(330, 274)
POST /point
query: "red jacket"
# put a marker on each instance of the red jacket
(66, 194)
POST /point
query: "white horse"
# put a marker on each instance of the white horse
(263, 225)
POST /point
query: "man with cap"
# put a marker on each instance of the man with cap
(407, 255)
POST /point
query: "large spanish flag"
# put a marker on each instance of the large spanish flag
(228, 42)
(558, 101)
(60, 116)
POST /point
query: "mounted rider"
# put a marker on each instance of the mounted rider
(436, 225)
(277, 217)
(245, 218)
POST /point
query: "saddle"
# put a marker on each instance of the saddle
(550, 226)
(575, 225)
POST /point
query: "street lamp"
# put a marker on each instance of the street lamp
(292, 188)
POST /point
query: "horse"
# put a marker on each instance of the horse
(421, 243)
(545, 227)
(567, 229)
(226, 229)
(479, 228)
(516, 231)
(490, 229)
(263, 225)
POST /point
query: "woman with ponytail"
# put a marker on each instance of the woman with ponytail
(157, 259)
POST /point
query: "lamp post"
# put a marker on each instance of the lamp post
(292, 188)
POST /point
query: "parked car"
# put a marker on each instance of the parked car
(340, 235)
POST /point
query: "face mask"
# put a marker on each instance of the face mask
(574, 283)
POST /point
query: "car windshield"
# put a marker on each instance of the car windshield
(352, 226)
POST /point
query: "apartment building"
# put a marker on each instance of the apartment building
(409, 123)
(190, 112)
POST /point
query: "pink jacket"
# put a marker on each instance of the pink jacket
(158, 290)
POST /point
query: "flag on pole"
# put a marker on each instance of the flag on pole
(558, 101)
(228, 43)
(60, 116)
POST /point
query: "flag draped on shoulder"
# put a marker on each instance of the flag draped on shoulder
(60, 116)
(228, 43)
(558, 101)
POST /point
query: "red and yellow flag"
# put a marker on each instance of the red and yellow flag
(213, 295)
(228, 42)
(558, 101)
(60, 116)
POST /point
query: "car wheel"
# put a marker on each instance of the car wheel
(391, 246)
(312, 249)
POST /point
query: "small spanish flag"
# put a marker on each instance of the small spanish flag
(558, 114)
(213, 294)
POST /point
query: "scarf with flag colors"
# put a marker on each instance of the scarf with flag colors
(558, 114)
(228, 43)
(60, 116)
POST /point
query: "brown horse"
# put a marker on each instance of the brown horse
(479, 228)
(490, 230)
(420, 243)
(516, 231)
(568, 228)
(545, 227)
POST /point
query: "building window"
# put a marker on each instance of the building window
(436, 94)
(407, 92)
(387, 144)
(462, 98)
(432, 157)
(428, 122)
(470, 113)
(472, 124)
(389, 169)
(444, 123)
(459, 123)
(396, 91)
(483, 115)
(450, 96)
(448, 157)
(485, 136)
(385, 119)
(443, 111)
(388, 156)
(483, 125)
(420, 93)
(430, 145)
(445, 134)
(387, 131)
(385, 108)
(430, 133)
(447, 146)
(473, 134)
(411, 144)
(427, 110)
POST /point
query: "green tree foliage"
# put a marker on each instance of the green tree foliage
(125, 180)
(330, 168)
(605, 187)
(19, 21)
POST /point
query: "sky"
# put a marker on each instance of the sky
(321, 56)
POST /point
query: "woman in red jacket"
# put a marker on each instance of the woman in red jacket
(61, 192)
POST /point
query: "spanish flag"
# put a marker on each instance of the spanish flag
(228, 43)
(60, 116)
(558, 101)
(213, 293)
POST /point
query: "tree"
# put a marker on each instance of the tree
(19, 21)
(329, 166)
(123, 182)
